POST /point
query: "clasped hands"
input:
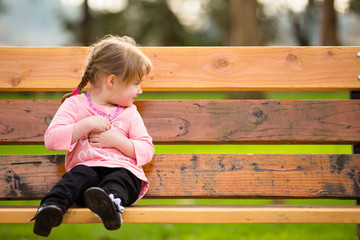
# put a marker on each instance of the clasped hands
(103, 133)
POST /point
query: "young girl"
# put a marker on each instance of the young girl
(104, 136)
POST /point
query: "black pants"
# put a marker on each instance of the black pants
(70, 189)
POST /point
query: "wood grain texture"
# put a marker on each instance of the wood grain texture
(192, 68)
(203, 214)
(206, 176)
(202, 121)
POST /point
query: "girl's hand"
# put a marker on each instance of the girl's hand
(99, 123)
(104, 139)
(83, 127)
(112, 139)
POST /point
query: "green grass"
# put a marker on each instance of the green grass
(188, 232)
(195, 231)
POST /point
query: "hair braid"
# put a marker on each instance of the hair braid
(84, 81)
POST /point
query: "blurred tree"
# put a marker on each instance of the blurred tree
(355, 6)
(241, 25)
(162, 28)
(3, 7)
(218, 12)
(303, 23)
(244, 23)
(82, 29)
(329, 32)
(86, 25)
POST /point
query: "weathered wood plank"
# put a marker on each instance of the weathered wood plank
(216, 121)
(206, 176)
(203, 214)
(25, 121)
(28, 176)
(192, 68)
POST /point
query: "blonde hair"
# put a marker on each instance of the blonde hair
(114, 55)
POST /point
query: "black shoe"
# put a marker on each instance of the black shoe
(46, 218)
(98, 200)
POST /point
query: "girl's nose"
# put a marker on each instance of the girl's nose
(139, 91)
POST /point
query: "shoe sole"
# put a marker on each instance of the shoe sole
(46, 219)
(98, 201)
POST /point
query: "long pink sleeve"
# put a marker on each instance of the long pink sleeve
(144, 149)
(58, 136)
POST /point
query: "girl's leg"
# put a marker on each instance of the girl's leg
(118, 188)
(71, 187)
(122, 184)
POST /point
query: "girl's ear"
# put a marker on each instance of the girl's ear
(110, 82)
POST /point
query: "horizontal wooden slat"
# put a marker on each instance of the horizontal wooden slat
(216, 121)
(204, 214)
(206, 176)
(193, 68)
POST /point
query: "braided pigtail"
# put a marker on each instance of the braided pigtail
(84, 81)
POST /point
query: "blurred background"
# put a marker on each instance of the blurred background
(181, 22)
(188, 23)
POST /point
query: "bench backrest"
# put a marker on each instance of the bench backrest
(203, 121)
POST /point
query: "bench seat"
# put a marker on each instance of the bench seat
(203, 214)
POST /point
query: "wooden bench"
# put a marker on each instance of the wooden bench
(214, 122)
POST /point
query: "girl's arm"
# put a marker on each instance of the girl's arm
(143, 146)
(138, 146)
(58, 136)
(65, 129)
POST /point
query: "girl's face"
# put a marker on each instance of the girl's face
(124, 94)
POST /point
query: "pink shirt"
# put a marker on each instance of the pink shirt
(128, 123)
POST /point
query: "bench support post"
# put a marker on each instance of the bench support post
(356, 150)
